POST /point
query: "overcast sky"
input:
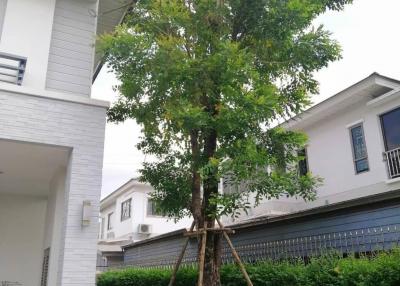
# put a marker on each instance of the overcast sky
(368, 32)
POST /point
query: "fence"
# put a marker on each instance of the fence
(358, 241)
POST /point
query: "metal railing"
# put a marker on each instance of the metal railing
(9, 283)
(12, 68)
(392, 158)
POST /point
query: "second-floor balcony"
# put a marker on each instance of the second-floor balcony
(390, 122)
(12, 68)
(392, 158)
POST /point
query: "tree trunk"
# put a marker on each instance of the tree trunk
(214, 241)
(212, 262)
(196, 181)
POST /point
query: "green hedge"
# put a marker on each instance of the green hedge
(382, 270)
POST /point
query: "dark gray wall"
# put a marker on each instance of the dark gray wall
(362, 228)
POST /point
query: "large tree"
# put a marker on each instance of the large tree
(207, 80)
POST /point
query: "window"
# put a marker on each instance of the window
(102, 226)
(303, 163)
(110, 221)
(152, 209)
(126, 210)
(391, 129)
(360, 155)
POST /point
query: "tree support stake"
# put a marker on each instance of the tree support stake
(203, 233)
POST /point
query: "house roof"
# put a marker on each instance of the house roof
(371, 87)
(130, 185)
(110, 14)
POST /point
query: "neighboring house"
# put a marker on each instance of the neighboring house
(128, 215)
(51, 139)
(354, 145)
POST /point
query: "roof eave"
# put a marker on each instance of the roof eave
(111, 13)
(303, 119)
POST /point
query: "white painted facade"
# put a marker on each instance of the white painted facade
(51, 141)
(329, 148)
(128, 229)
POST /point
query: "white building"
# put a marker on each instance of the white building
(129, 214)
(51, 139)
(354, 145)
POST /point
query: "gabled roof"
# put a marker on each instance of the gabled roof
(110, 14)
(371, 87)
(131, 185)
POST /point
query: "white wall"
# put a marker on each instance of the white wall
(80, 127)
(330, 157)
(32, 114)
(330, 153)
(129, 227)
(27, 32)
(58, 43)
(54, 222)
(70, 67)
(22, 220)
(159, 224)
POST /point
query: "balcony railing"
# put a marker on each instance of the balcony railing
(12, 68)
(9, 283)
(393, 162)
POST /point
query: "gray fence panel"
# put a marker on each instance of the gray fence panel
(365, 229)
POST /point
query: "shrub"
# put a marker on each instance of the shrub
(330, 270)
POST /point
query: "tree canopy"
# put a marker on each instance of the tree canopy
(195, 69)
(208, 80)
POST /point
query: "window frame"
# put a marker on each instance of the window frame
(383, 131)
(355, 160)
(129, 202)
(109, 221)
(102, 227)
(149, 200)
(303, 160)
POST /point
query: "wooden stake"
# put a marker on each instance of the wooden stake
(215, 230)
(180, 258)
(202, 258)
(236, 256)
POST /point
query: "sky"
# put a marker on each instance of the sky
(367, 30)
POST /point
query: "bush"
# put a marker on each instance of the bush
(381, 270)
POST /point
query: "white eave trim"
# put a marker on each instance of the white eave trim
(344, 95)
(384, 98)
(67, 97)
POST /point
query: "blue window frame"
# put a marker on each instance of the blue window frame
(360, 155)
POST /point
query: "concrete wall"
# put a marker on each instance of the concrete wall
(22, 223)
(29, 118)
